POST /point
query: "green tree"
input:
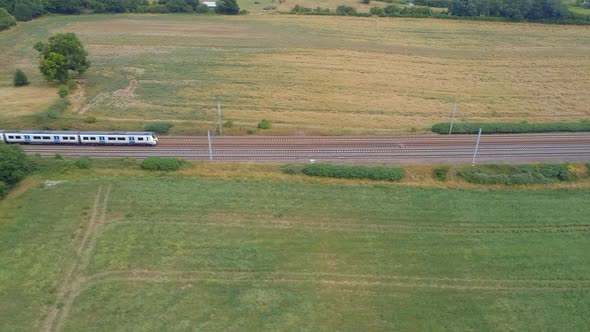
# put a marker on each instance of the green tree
(63, 91)
(62, 54)
(376, 11)
(63, 6)
(13, 164)
(20, 79)
(264, 124)
(345, 10)
(23, 10)
(227, 7)
(202, 8)
(6, 20)
(8, 5)
(53, 67)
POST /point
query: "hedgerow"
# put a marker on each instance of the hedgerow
(158, 127)
(160, 164)
(355, 172)
(516, 174)
(505, 128)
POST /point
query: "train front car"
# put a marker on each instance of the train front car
(117, 138)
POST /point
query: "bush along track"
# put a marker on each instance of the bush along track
(518, 174)
(507, 128)
(381, 173)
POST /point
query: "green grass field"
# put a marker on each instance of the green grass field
(186, 254)
(307, 74)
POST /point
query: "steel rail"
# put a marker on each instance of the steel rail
(390, 149)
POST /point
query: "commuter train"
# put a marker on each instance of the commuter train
(78, 137)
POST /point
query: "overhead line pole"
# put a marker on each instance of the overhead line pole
(210, 149)
(476, 147)
(219, 117)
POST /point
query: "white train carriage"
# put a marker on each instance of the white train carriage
(118, 138)
(1, 136)
(79, 137)
(41, 137)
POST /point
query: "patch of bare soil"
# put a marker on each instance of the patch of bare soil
(120, 98)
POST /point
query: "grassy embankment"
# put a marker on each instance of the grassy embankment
(177, 252)
(307, 74)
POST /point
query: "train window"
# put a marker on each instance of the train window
(65, 138)
(11, 137)
(72, 138)
(140, 138)
(112, 139)
(17, 137)
(36, 137)
(120, 138)
(93, 138)
(46, 137)
(85, 138)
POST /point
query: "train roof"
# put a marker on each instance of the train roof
(115, 133)
(64, 132)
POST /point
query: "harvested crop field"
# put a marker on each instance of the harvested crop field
(182, 254)
(317, 74)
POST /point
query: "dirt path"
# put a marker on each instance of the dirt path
(121, 96)
(79, 97)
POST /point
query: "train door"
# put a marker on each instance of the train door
(27, 139)
(56, 139)
(131, 140)
(101, 139)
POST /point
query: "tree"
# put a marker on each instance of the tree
(227, 7)
(20, 79)
(63, 6)
(63, 92)
(23, 10)
(345, 10)
(53, 67)
(376, 11)
(26, 10)
(6, 20)
(202, 8)
(13, 164)
(264, 124)
(62, 54)
(463, 8)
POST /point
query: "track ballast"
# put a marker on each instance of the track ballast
(402, 149)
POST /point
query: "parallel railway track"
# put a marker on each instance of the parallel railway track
(405, 149)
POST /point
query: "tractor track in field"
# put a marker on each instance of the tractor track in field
(406, 149)
(73, 278)
(371, 228)
(339, 279)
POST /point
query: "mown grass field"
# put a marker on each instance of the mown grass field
(307, 74)
(183, 254)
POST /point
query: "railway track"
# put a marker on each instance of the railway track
(406, 149)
